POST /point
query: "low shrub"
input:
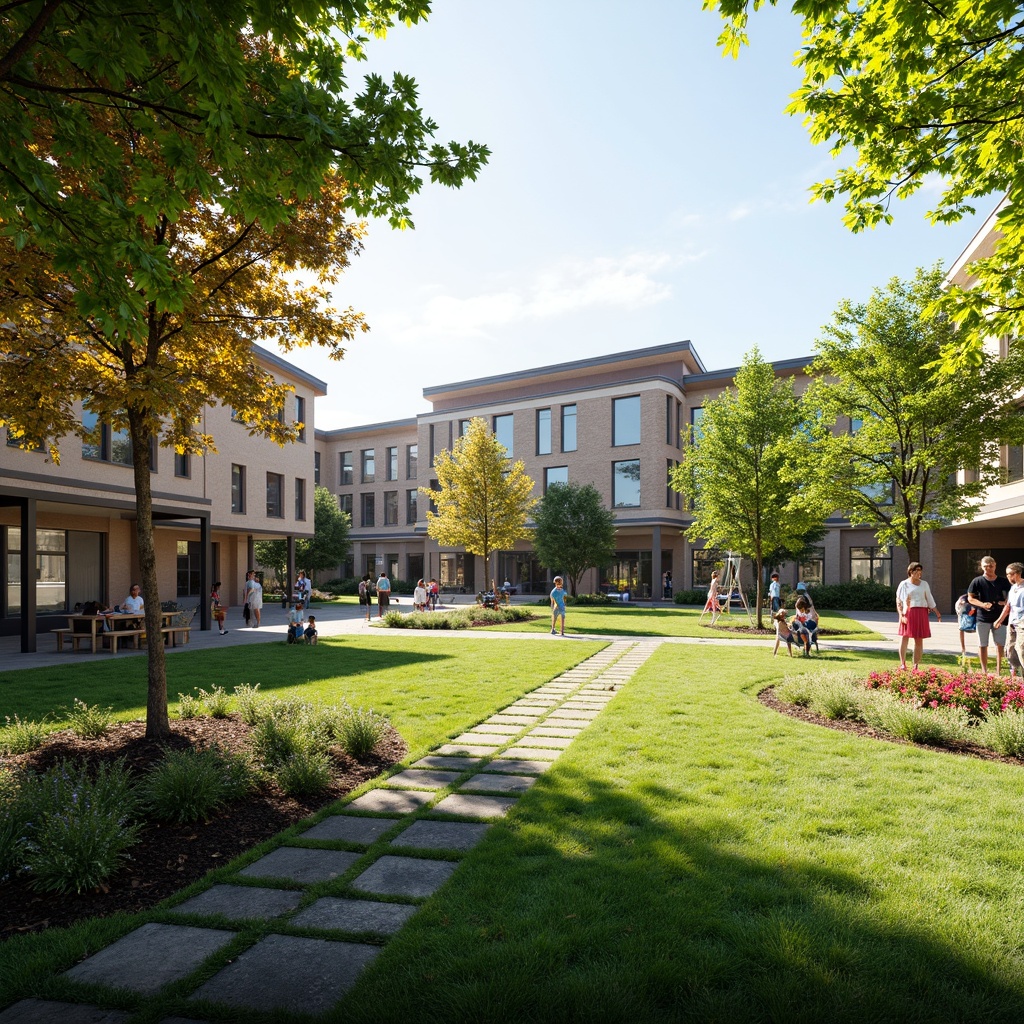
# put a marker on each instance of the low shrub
(589, 600)
(939, 726)
(18, 737)
(690, 596)
(460, 619)
(828, 694)
(216, 702)
(1003, 733)
(249, 702)
(856, 595)
(15, 814)
(360, 730)
(304, 773)
(347, 586)
(189, 785)
(189, 706)
(798, 690)
(976, 692)
(274, 740)
(89, 721)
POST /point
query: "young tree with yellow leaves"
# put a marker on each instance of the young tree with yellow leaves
(483, 501)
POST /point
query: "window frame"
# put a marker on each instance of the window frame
(618, 403)
(275, 509)
(616, 475)
(368, 458)
(564, 417)
(543, 430)
(238, 489)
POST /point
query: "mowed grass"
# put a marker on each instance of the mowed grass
(429, 687)
(695, 856)
(641, 620)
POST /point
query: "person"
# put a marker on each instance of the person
(217, 610)
(666, 583)
(311, 633)
(295, 622)
(913, 602)
(304, 588)
(711, 605)
(775, 593)
(1013, 611)
(801, 589)
(133, 604)
(253, 597)
(383, 593)
(805, 625)
(967, 619)
(988, 593)
(557, 605)
(506, 591)
(783, 634)
(432, 593)
(419, 597)
(365, 586)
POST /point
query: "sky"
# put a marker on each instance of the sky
(642, 190)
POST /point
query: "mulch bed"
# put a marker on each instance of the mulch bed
(769, 700)
(823, 634)
(169, 857)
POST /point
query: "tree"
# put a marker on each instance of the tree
(574, 532)
(919, 92)
(733, 475)
(483, 501)
(895, 468)
(166, 174)
(326, 549)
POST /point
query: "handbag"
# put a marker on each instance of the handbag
(968, 622)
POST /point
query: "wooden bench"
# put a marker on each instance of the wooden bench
(118, 635)
(170, 634)
(77, 639)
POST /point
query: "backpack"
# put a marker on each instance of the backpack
(362, 588)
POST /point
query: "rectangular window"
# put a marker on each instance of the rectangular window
(568, 428)
(391, 465)
(704, 563)
(275, 495)
(92, 448)
(238, 490)
(463, 427)
(696, 424)
(626, 420)
(300, 416)
(345, 468)
(300, 499)
(670, 495)
(190, 556)
(1014, 463)
(434, 486)
(411, 459)
(22, 442)
(391, 508)
(555, 475)
(182, 464)
(368, 509)
(411, 505)
(812, 567)
(345, 503)
(871, 563)
(543, 431)
(626, 484)
(369, 466)
(669, 404)
(503, 432)
(433, 449)
(316, 468)
(679, 424)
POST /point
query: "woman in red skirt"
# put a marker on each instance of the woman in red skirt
(913, 602)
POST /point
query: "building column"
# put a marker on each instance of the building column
(250, 553)
(290, 571)
(657, 593)
(29, 544)
(206, 579)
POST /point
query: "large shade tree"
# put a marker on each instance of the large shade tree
(174, 185)
(483, 500)
(919, 93)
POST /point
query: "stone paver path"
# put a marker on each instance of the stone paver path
(411, 831)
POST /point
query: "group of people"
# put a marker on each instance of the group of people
(425, 595)
(993, 608)
(802, 629)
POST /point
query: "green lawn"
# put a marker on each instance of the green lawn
(642, 620)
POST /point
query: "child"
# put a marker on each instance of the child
(295, 618)
(782, 632)
(775, 593)
(804, 625)
(557, 605)
(711, 605)
(311, 633)
(419, 597)
(967, 616)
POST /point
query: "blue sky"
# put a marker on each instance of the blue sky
(642, 190)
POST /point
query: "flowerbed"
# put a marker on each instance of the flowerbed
(978, 693)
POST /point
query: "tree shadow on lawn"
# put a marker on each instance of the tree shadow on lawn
(591, 907)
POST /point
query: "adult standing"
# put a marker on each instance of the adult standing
(253, 597)
(913, 602)
(711, 605)
(1013, 610)
(383, 593)
(557, 605)
(304, 588)
(988, 593)
(365, 586)
(217, 610)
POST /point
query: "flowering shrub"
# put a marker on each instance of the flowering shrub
(932, 687)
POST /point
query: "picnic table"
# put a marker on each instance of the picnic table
(121, 622)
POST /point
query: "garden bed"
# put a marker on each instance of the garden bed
(167, 857)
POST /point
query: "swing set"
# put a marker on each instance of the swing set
(730, 591)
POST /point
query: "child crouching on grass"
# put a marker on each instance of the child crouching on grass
(310, 634)
(782, 632)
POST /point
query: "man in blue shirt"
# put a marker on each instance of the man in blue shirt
(775, 592)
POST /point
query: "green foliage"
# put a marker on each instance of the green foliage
(305, 772)
(249, 701)
(189, 706)
(690, 596)
(1003, 733)
(326, 549)
(89, 721)
(459, 619)
(189, 785)
(588, 600)
(15, 815)
(216, 702)
(855, 595)
(360, 730)
(938, 726)
(19, 737)
(574, 531)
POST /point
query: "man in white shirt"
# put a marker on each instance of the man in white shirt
(1014, 611)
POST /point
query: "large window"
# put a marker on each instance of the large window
(543, 431)
(369, 466)
(630, 573)
(345, 503)
(705, 562)
(316, 467)
(190, 554)
(568, 428)
(555, 475)
(182, 464)
(105, 444)
(463, 427)
(275, 495)
(238, 490)
(51, 563)
(345, 468)
(300, 416)
(626, 420)
(1014, 463)
(411, 459)
(696, 424)
(300, 499)
(368, 509)
(503, 431)
(391, 508)
(812, 567)
(871, 563)
(411, 505)
(391, 465)
(626, 484)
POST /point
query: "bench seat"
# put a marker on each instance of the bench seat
(115, 638)
(170, 634)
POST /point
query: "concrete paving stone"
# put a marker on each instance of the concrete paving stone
(355, 915)
(517, 766)
(512, 719)
(350, 829)
(393, 800)
(548, 730)
(46, 1011)
(498, 784)
(442, 835)
(496, 730)
(423, 779)
(481, 739)
(150, 957)
(584, 705)
(540, 740)
(475, 806)
(573, 713)
(239, 902)
(533, 753)
(181, 1020)
(301, 865)
(392, 875)
(571, 723)
(469, 749)
(284, 972)
(446, 762)
(531, 709)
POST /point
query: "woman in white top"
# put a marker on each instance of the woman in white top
(913, 602)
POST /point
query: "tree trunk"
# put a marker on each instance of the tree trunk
(760, 611)
(913, 543)
(157, 724)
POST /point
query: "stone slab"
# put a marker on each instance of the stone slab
(573, 713)
(241, 902)
(541, 740)
(493, 783)
(496, 730)
(350, 829)
(533, 753)
(476, 806)
(391, 800)
(355, 915)
(150, 957)
(423, 779)
(46, 1011)
(500, 719)
(392, 875)
(442, 835)
(300, 865)
(569, 723)
(531, 709)
(285, 972)
(517, 766)
(433, 761)
(481, 739)
(547, 730)
(471, 750)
